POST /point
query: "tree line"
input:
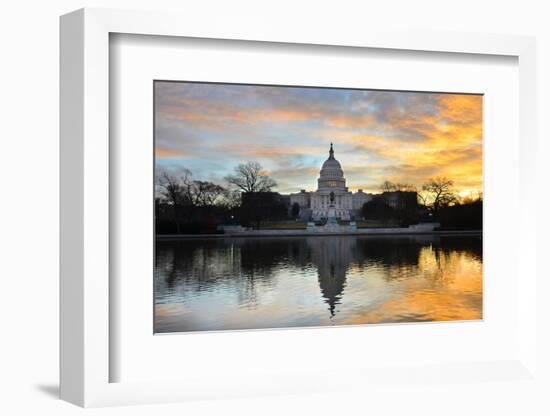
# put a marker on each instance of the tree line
(435, 200)
(184, 204)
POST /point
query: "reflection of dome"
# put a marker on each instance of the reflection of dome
(331, 175)
(332, 256)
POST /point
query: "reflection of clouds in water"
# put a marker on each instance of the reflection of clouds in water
(447, 286)
(285, 282)
(169, 309)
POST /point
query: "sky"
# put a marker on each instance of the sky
(404, 137)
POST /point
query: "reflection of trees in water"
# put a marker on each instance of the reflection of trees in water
(438, 261)
(401, 256)
(192, 266)
(266, 254)
(248, 265)
(388, 251)
(470, 245)
(261, 258)
(185, 261)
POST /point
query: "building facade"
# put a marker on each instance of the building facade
(332, 196)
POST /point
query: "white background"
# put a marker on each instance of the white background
(29, 208)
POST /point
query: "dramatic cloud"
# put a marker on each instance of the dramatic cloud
(404, 137)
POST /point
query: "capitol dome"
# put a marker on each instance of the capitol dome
(331, 176)
(331, 164)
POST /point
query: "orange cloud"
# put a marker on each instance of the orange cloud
(356, 121)
(215, 115)
(448, 143)
(402, 137)
(161, 153)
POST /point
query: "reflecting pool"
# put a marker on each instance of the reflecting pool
(248, 283)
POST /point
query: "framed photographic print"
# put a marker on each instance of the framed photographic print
(237, 208)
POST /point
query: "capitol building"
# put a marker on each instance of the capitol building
(332, 197)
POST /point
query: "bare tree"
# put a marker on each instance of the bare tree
(388, 186)
(205, 193)
(422, 198)
(175, 190)
(406, 187)
(181, 189)
(231, 198)
(437, 193)
(250, 177)
(480, 195)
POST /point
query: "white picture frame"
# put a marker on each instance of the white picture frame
(85, 210)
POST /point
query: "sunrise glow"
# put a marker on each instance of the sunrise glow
(403, 137)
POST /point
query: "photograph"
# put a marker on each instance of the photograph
(282, 206)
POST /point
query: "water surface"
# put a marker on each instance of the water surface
(249, 283)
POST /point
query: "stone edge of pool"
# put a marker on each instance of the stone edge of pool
(306, 233)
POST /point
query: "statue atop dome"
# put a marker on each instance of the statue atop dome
(331, 152)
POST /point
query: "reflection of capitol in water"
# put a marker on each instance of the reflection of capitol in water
(240, 283)
(332, 257)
